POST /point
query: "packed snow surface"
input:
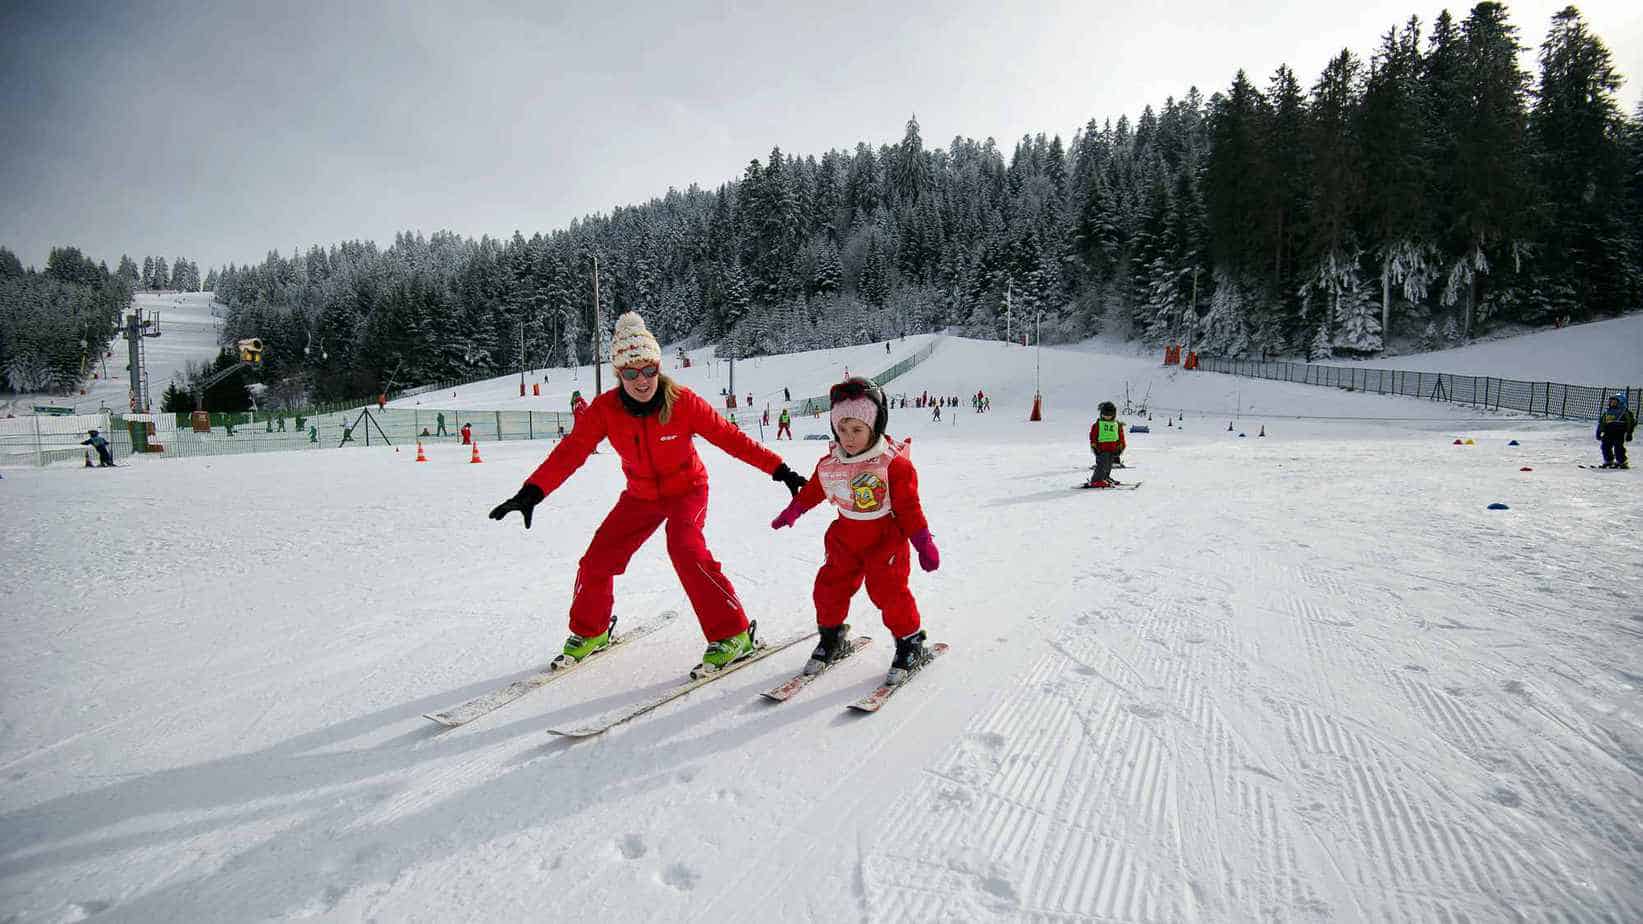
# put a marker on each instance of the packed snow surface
(1305, 676)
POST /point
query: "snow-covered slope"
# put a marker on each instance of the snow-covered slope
(1301, 677)
(804, 375)
(1602, 353)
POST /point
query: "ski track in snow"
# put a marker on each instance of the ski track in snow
(1295, 679)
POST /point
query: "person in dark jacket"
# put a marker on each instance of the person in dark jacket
(1614, 428)
(105, 455)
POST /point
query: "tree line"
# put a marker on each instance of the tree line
(1427, 193)
(182, 276)
(54, 325)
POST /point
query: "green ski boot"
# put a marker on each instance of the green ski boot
(721, 653)
(577, 647)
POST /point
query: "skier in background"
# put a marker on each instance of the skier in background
(105, 456)
(650, 420)
(871, 479)
(467, 433)
(1107, 442)
(784, 424)
(1615, 427)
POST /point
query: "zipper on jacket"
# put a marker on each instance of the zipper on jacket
(643, 446)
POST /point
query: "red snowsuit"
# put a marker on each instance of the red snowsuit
(666, 484)
(874, 549)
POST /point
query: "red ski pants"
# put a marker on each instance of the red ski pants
(784, 428)
(874, 550)
(625, 528)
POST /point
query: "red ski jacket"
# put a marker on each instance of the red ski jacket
(658, 459)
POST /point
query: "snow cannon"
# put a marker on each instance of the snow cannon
(1512, 443)
(1499, 506)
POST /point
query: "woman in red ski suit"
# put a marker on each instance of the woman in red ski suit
(650, 421)
(870, 478)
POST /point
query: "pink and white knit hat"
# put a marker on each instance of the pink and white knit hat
(860, 407)
(632, 344)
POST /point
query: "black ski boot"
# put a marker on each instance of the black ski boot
(834, 646)
(910, 656)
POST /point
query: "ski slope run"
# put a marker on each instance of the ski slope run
(1294, 678)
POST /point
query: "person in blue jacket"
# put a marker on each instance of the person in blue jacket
(105, 456)
(1615, 427)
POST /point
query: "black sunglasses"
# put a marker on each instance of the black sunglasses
(648, 372)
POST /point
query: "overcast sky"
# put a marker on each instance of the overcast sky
(220, 131)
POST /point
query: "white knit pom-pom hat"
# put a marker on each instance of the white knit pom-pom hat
(632, 345)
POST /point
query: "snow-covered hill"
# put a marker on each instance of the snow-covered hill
(1301, 677)
(1602, 353)
(803, 375)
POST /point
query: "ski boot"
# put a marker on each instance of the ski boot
(834, 646)
(1623, 465)
(1103, 483)
(721, 653)
(578, 647)
(910, 656)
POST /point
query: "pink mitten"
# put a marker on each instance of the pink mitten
(788, 516)
(929, 557)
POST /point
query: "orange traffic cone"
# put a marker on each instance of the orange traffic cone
(420, 455)
(476, 459)
(1037, 410)
(1263, 430)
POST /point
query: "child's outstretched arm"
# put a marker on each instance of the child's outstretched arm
(809, 496)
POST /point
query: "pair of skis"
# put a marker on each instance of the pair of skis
(496, 699)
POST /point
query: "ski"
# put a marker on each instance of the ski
(1117, 486)
(1600, 468)
(611, 720)
(875, 700)
(782, 692)
(489, 702)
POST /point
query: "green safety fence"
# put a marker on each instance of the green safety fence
(821, 404)
(333, 427)
(1551, 399)
(174, 436)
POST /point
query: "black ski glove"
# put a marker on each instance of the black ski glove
(525, 501)
(793, 480)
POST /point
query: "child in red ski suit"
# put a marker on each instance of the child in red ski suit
(1107, 443)
(870, 478)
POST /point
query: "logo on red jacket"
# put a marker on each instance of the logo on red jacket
(869, 491)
